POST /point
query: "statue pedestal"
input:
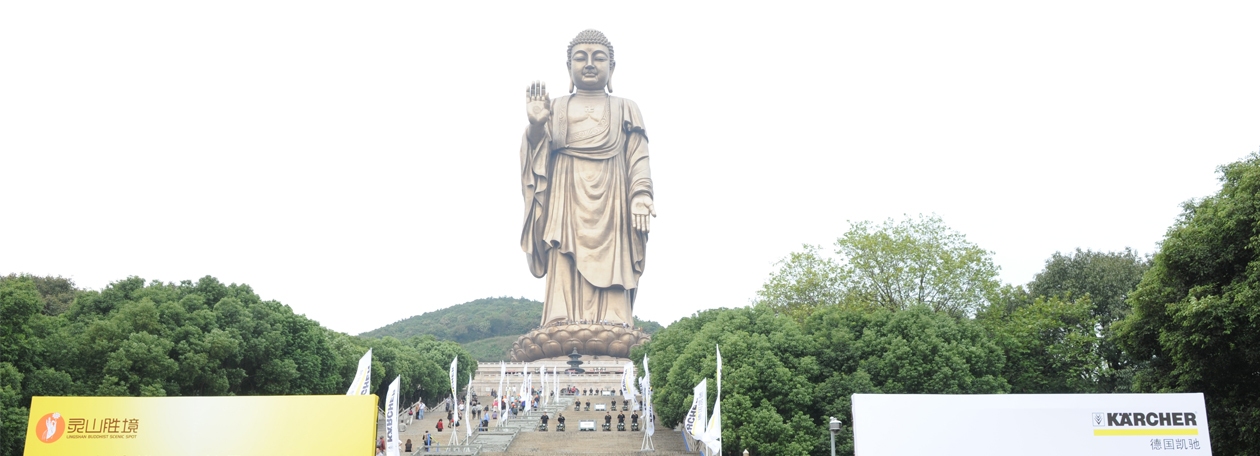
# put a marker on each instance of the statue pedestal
(588, 339)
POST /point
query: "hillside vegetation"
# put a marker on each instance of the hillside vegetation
(491, 350)
(470, 321)
(485, 327)
(202, 338)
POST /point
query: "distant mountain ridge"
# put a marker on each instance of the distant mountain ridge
(486, 327)
(471, 321)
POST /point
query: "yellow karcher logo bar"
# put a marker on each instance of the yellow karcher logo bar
(1149, 431)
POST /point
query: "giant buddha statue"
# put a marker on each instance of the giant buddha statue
(588, 208)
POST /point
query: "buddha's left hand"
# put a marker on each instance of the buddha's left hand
(642, 210)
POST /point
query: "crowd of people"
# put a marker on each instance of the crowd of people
(574, 391)
(589, 322)
(482, 415)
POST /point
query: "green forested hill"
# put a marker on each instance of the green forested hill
(491, 350)
(485, 327)
(470, 321)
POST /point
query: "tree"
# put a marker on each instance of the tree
(19, 304)
(56, 293)
(897, 265)
(916, 351)
(781, 378)
(648, 326)
(434, 375)
(13, 416)
(910, 263)
(1106, 278)
(805, 281)
(204, 338)
(768, 366)
(1051, 346)
(1195, 323)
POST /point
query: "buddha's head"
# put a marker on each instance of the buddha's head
(591, 61)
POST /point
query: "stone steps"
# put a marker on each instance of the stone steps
(610, 443)
(496, 440)
(520, 436)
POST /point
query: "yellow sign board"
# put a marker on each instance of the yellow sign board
(219, 426)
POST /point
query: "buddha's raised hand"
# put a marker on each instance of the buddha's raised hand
(537, 104)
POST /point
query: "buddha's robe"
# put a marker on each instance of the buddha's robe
(578, 228)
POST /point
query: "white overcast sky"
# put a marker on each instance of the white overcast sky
(359, 161)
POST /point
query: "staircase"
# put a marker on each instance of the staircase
(528, 440)
(520, 435)
(611, 443)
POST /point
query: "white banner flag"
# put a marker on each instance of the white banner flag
(468, 426)
(527, 391)
(502, 377)
(696, 417)
(719, 371)
(651, 424)
(391, 419)
(713, 435)
(627, 381)
(502, 399)
(520, 390)
(650, 428)
(454, 364)
(362, 377)
(645, 384)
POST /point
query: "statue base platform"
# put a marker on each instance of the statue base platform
(587, 339)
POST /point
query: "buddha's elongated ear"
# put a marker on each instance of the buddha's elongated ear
(610, 75)
(571, 88)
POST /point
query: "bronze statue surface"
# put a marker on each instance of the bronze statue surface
(587, 187)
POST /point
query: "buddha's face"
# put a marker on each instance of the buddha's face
(590, 67)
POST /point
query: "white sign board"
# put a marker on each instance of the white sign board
(1030, 424)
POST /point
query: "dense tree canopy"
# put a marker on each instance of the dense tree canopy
(896, 265)
(190, 338)
(916, 262)
(1106, 278)
(782, 378)
(805, 281)
(912, 307)
(1195, 323)
(1051, 346)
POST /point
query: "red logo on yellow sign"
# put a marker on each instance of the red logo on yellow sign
(50, 427)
